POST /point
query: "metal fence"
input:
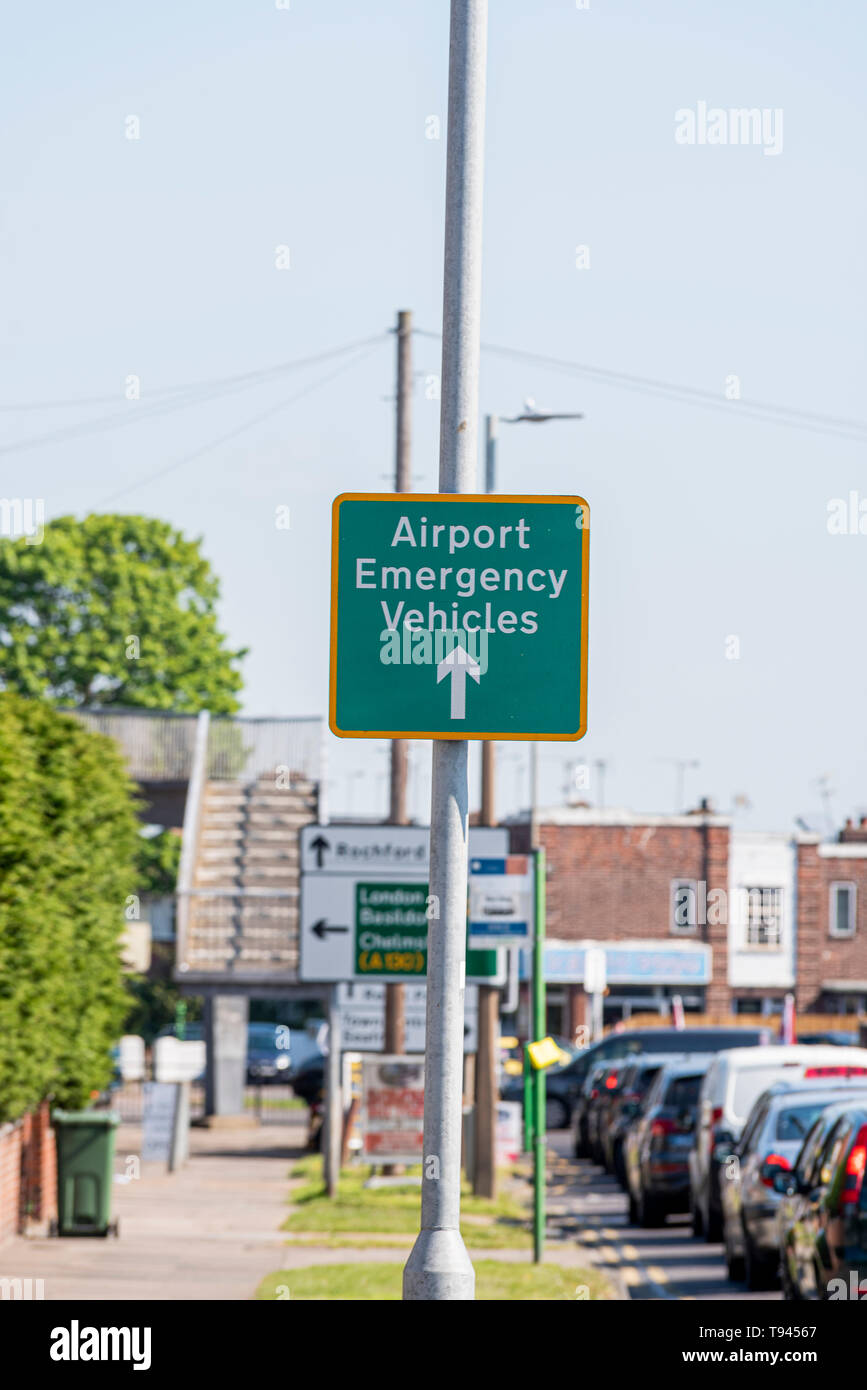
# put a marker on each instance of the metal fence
(269, 1104)
(158, 747)
(127, 1101)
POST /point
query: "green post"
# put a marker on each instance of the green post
(529, 1073)
(540, 1137)
(181, 1019)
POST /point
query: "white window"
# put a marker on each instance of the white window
(764, 924)
(684, 897)
(841, 919)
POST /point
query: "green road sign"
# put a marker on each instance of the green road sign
(459, 616)
(391, 933)
(390, 929)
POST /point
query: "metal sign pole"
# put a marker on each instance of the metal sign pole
(540, 1028)
(439, 1267)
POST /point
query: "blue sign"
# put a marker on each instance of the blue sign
(633, 963)
(501, 900)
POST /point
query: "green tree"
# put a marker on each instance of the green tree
(159, 858)
(114, 610)
(68, 844)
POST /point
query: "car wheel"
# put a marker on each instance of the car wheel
(734, 1263)
(789, 1293)
(695, 1213)
(619, 1169)
(556, 1113)
(651, 1212)
(758, 1273)
(633, 1211)
(713, 1232)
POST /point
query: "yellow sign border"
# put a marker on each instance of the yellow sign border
(462, 497)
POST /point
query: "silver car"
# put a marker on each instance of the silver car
(769, 1144)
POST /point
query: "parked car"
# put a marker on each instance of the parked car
(770, 1143)
(656, 1152)
(267, 1053)
(634, 1042)
(839, 1037)
(634, 1082)
(599, 1101)
(734, 1080)
(587, 1096)
(822, 1221)
(308, 1081)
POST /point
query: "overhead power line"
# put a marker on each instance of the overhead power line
(758, 410)
(168, 399)
(247, 424)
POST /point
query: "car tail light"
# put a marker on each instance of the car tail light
(855, 1165)
(594, 1094)
(835, 1071)
(660, 1128)
(777, 1161)
(716, 1115)
(610, 1083)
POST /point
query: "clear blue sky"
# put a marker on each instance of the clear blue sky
(306, 127)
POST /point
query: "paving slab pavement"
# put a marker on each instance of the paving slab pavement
(211, 1230)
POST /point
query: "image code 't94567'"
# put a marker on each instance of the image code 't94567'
(459, 616)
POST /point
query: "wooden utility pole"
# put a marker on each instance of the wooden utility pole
(485, 1175)
(395, 1018)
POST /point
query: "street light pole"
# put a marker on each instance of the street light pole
(439, 1267)
(531, 415)
(395, 1013)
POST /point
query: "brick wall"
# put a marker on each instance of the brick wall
(10, 1179)
(612, 882)
(820, 955)
(28, 1172)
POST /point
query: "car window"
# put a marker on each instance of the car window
(833, 1150)
(645, 1079)
(682, 1092)
(717, 1040)
(593, 1079)
(794, 1121)
(808, 1157)
(654, 1090)
(754, 1126)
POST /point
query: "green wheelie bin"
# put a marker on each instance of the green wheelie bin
(85, 1168)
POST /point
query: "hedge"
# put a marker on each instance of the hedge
(68, 842)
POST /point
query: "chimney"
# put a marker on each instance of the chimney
(853, 834)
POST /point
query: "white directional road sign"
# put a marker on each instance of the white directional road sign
(386, 849)
(365, 906)
(362, 1017)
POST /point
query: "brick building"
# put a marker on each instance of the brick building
(832, 922)
(685, 905)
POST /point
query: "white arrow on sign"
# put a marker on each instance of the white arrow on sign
(458, 664)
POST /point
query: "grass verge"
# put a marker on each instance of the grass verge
(502, 1223)
(496, 1280)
